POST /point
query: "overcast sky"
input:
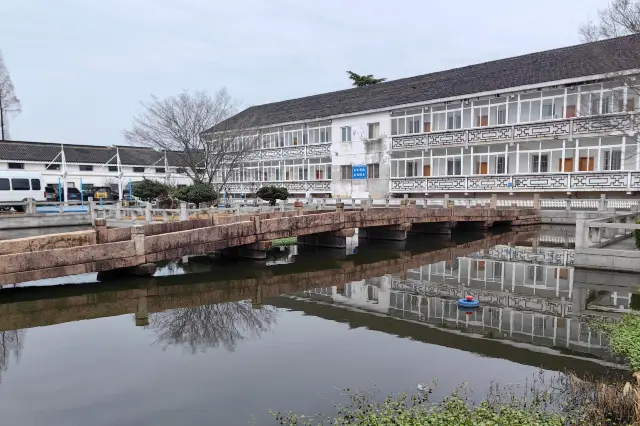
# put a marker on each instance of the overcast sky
(81, 67)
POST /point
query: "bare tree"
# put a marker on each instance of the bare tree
(177, 124)
(620, 18)
(210, 326)
(9, 102)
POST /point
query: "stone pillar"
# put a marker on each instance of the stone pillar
(147, 213)
(183, 211)
(567, 204)
(340, 206)
(118, 211)
(332, 239)
(494, 201)
(390, 232)
(137, 236)
(437, 228)
(445, 203)
(536, 201)
(602, 203)
(142, 312)
(254, 251)
(386, 201)
(92, 210)
(100, 226)
(582, 240)
(299, 207)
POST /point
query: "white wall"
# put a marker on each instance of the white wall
(357, 152)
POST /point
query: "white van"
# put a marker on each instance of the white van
(18, 186)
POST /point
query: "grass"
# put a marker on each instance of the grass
(624, 338)
(282, 242)
(556, 400)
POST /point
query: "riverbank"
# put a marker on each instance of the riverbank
(544, 401)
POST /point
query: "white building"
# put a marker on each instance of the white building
(90, 165)
(561, 122)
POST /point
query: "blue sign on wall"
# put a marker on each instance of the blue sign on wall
(358, 172)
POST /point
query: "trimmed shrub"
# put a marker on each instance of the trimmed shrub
(272, 193)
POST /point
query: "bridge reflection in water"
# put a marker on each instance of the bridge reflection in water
(535, 306)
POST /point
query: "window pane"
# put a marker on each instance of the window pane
(525, 112)
(35, 184)
(401, 126)
(4, 185)
(394, 126)
(547, 109)
(20, 184)
(535, 111)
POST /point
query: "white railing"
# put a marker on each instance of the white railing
(546, 129)
(31, 207)
(530, 182)
(603, 232)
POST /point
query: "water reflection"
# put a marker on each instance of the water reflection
(531, 295)
(11, 345)
(210, 326)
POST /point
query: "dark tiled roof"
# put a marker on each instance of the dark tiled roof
(569, 62)
(85, 154)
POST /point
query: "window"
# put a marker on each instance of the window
(454, 167)
(113, 168)
(345, 172)
(612, 160)
(373, 171)
(138, 170)
(35, 184)
(53, 166)
(86, 168)
(346, 133)
(160, 170)
(16, 166)
(406, 122)
(413, 124)
(500, 169)
(454, 120)
(540, 163)
(20, 184)
(374, 130)
(4, 185)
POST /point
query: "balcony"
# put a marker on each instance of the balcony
(300, 151)
(553, 129)
(314, 186)
(539, 182)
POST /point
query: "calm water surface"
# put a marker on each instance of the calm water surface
(213, 343)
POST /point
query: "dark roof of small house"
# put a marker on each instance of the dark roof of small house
(86, 154)
(581, 60)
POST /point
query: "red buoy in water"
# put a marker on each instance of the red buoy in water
(469, 298)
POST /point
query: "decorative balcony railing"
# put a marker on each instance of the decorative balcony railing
(582, 126)
(314, 186)
(319, 150)
(543, 182)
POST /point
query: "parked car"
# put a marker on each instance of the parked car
(51, 193)
(18, 187)
(74, 194)
(104, 193)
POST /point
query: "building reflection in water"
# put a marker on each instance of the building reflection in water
(527, 295)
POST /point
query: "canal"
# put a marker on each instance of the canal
(210, 341)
